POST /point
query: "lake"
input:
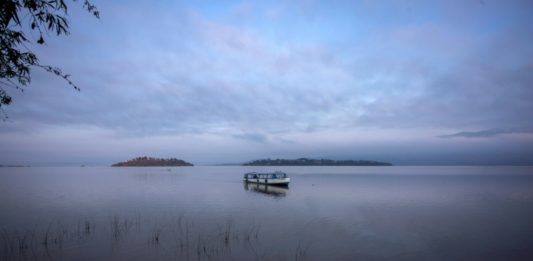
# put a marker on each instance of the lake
(207, 213)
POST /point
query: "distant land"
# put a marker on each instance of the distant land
(314, 162)
(152, 162)
(14, 166)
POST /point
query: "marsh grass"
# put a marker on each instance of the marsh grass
(301, 252)
(156, 235)
(185, 238)
(18, 245)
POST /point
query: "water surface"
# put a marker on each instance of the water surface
(207, 213)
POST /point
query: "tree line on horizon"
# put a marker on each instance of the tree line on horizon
(314, 162)
(152, 162)
(161, 162)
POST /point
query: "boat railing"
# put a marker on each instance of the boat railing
(275, 175)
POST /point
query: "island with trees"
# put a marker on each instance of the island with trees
(314, 162)
(153, 162)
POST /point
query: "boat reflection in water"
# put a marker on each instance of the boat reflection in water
(269, 190)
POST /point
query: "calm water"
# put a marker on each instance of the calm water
(207, 213)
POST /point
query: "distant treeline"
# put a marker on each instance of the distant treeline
(314, 162)
(152, 162)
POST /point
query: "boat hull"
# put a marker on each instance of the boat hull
(274, 182)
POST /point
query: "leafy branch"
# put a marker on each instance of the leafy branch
(16, 59)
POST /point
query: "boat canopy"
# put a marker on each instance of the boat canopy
(274, 175)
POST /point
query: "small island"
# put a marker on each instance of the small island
(314, 162)
(153, 162)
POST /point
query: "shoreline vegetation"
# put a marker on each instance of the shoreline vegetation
(183, 236)
(174, 162)
(314, 162)
(153, 162)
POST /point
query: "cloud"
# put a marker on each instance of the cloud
(482, 133)
(331, 71)
(192, 73)
(254, 137)
(229, 77)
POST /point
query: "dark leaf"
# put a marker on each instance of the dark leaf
(6, 99)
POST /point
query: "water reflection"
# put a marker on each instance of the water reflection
(274, 191)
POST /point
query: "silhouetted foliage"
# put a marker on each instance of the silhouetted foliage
(16, 59)
(152, 162)
(314, 162)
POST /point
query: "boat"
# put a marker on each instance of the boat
(268, 190)
(277, 178)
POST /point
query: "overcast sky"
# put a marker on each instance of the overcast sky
(407, 81)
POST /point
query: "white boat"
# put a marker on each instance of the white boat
(269, 190)
(277, 178)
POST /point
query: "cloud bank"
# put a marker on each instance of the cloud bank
(283, 78)
(482, 133)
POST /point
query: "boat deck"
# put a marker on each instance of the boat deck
(277, 178)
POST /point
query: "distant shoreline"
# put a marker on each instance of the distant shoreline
(314, 162)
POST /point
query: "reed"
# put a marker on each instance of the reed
(155, 236)
(186, 238)
(300, 252)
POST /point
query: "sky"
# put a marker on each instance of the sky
(408, 82)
